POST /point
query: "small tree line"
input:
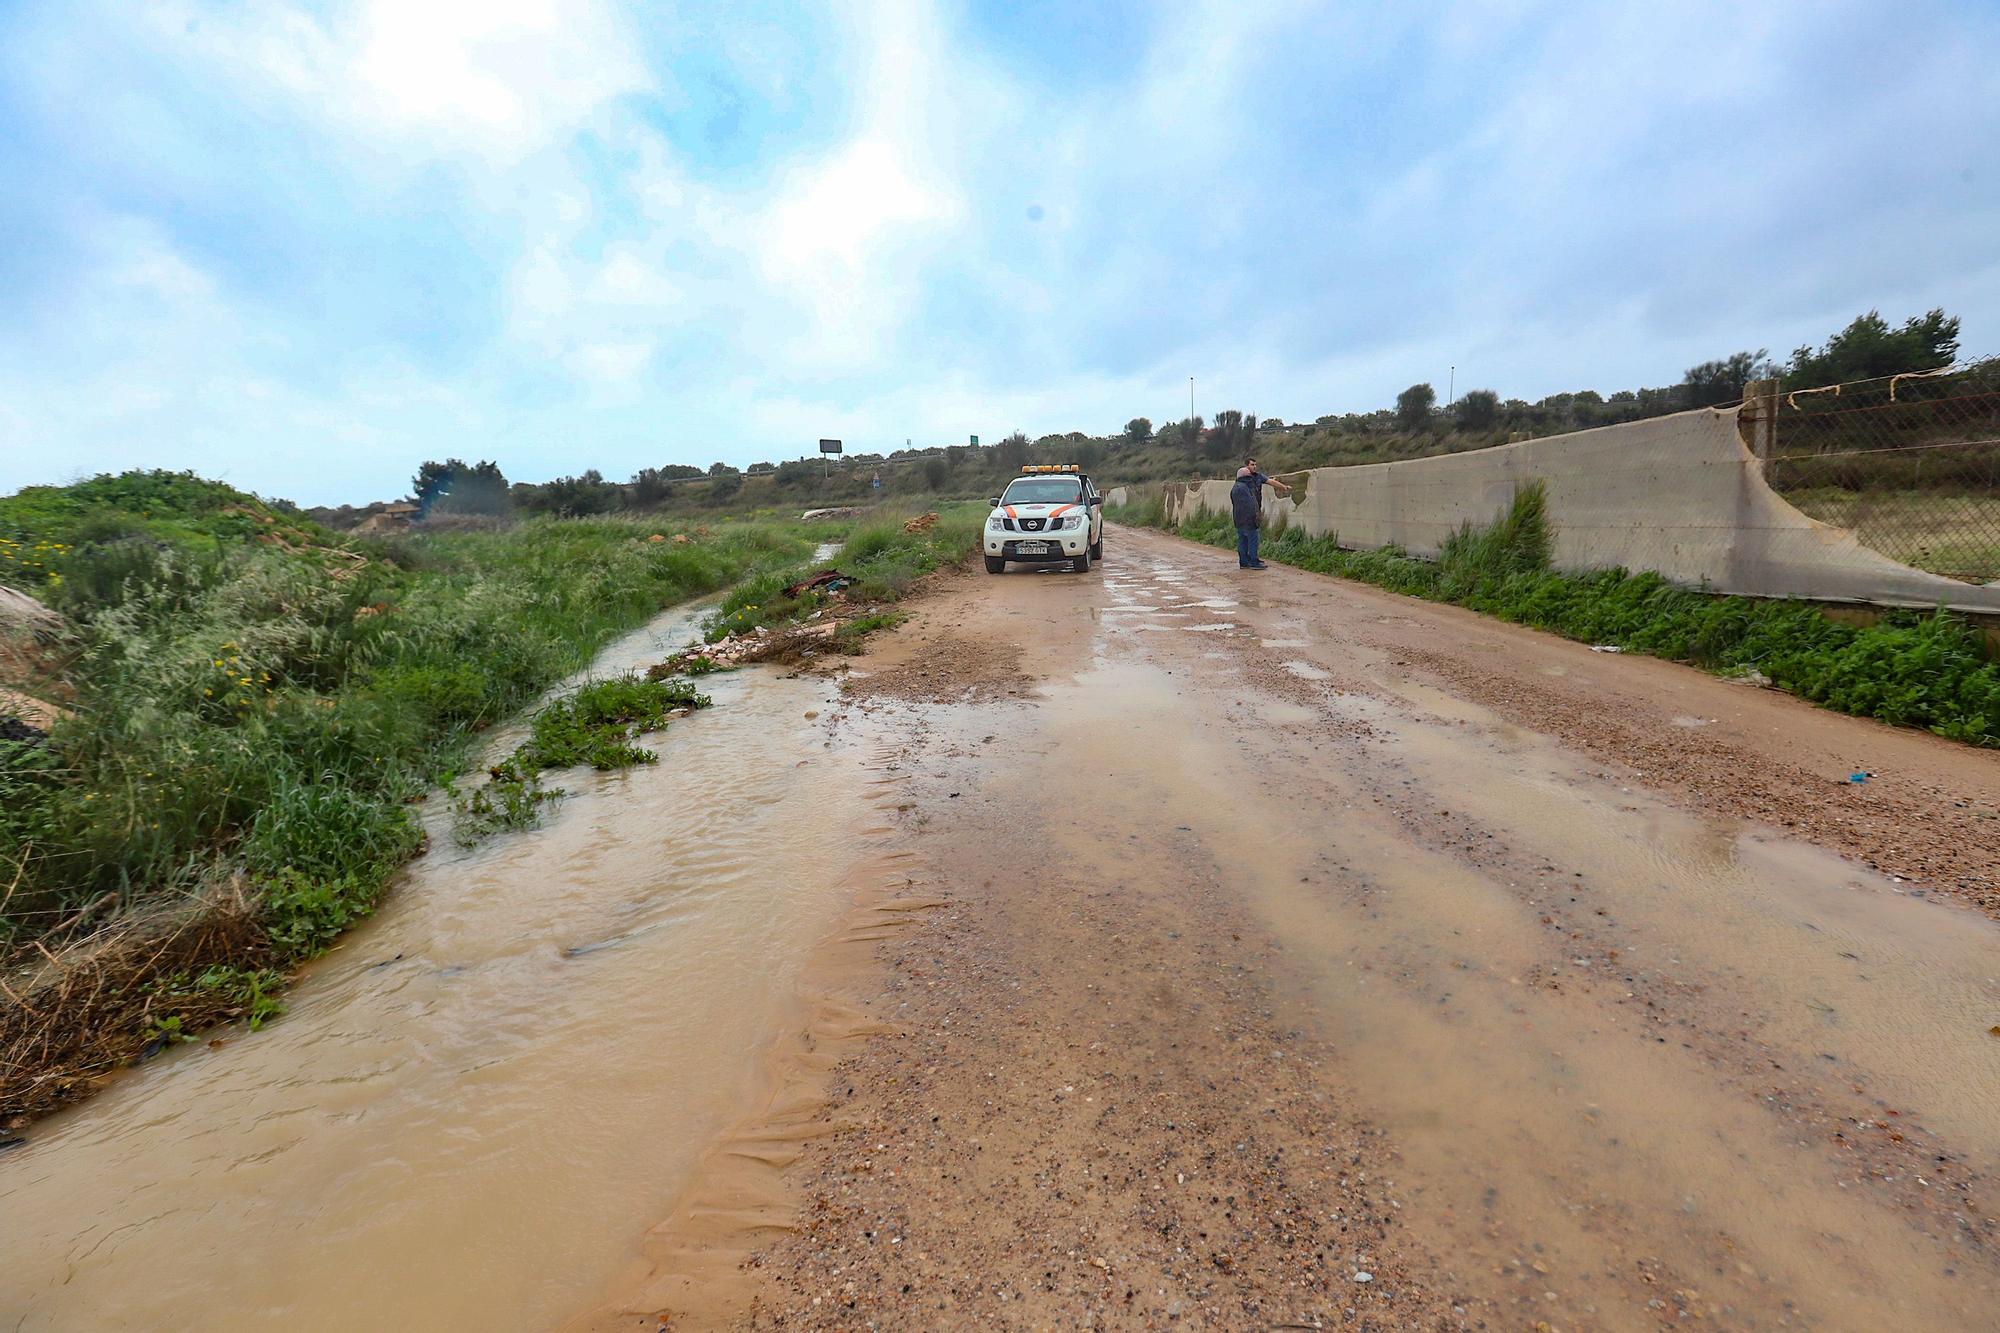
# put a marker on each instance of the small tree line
(1868, 347)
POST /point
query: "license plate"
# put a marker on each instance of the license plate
(1032, 548)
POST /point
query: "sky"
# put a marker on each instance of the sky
(302, 247)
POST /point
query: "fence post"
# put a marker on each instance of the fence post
(1760, 414)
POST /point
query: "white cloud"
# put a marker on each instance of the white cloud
(497, 78)
(1585, 212)
(844, 211)
(612, 365)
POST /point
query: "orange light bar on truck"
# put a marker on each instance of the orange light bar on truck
(1050, 467)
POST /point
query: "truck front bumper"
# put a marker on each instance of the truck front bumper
(1055, 546)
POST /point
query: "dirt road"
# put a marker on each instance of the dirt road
(1304, 956)
(1165, 947)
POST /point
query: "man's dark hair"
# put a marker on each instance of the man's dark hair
(1248, 459)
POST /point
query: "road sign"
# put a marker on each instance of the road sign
(975, 441)
(829, 446)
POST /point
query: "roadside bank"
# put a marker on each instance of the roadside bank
(487, 1092)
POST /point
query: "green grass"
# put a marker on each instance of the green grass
(597, 725)
(257, 700)
(882, 559)
(1954, 533)
(1914, 669)
(258, 705)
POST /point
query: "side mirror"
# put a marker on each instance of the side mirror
(1097, 501)
(994, 503)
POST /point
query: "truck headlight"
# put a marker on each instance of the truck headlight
(1074, 521)
(993, 524)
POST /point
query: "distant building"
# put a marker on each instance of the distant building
(389, 518)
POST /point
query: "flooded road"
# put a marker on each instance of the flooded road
(1291, 987)
(1213, 950)
(479, 1103)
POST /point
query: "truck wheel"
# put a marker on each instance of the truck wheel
(1081, 564)
(996, 564)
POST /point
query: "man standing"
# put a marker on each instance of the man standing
(1246, 507)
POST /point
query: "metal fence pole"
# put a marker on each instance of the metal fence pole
(1760, 413)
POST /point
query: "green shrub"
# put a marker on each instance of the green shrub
(272, 704)
(328, 830)
(305, 914)
(595, 725)
(1914, 669)
(881, 559)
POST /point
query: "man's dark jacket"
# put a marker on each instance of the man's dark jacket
(1244, 497)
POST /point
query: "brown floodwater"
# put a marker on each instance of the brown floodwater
(1626, 1062)
(479, 1103)
(1407, 854)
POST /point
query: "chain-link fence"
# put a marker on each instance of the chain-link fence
(1909, 463)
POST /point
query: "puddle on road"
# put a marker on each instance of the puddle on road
(1845, 965)
(1548, 1140)
(1306, 670)
(480, 1102)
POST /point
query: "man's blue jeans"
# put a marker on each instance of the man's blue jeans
(1246, 547)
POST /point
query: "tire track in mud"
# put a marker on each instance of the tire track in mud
(1306, 1023)
(1873, 1140)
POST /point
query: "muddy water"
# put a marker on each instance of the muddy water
(1601, 1161)
(480, 1102)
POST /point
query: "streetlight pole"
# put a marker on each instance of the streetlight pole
(1451, 388)
(1190, 398)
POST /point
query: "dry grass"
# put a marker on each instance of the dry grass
(73, 1012)
(1954, 534)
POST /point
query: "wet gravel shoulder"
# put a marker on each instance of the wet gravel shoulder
(1089, 1115)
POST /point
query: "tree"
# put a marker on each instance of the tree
(1234, 435)
(1413, 407)
(1193, 431)
(725, 483)
(936, 473)
(1011, 452)
(434, 479)
(1478, 410)
(1715, 382)
(650, 486)
(479, 489)
(717, 469)
(454, 487)
(1138, 430)
(1868, 349)
(575, 497)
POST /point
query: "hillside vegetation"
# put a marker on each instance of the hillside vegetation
(1416, 426)
(245, 706)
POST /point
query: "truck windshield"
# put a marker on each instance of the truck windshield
(1041, 491)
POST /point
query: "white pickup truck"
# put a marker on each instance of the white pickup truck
(1051, 513)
